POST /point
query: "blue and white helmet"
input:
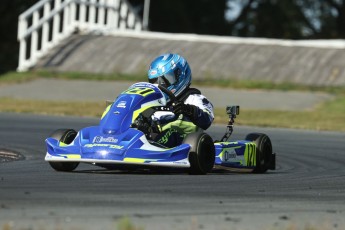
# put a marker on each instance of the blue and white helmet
(172, 72)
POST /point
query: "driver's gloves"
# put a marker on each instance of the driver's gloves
(189, 110)
(141, 125)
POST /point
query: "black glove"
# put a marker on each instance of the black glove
(189, 110)
(145, 125)
(141, 124)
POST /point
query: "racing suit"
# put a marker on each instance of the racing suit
(192, 113)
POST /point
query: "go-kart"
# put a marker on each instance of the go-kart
(121, 142)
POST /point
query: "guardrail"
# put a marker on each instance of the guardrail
(46, 23)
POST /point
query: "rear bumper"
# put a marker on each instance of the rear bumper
(272, 163)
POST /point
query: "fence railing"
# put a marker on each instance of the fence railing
(46, 23)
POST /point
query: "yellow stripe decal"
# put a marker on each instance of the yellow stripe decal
(250, 154)
(138, 111)
(134, 160)
(71, 156)
(106, 111)
(61, 144)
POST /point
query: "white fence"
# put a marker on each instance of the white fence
(46, 23)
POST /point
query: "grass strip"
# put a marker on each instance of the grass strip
(61, 108)
(327, 116)
(15, 77)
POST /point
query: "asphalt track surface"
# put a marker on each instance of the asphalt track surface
(307, 189)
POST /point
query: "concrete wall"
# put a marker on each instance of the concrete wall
(305, 62)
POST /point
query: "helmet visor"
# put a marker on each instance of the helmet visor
(165, 80)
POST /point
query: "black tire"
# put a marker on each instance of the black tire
(66, 136)
(202, 153)
(263, 151)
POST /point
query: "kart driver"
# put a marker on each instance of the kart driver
(191, 111)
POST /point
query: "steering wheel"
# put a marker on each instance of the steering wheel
(143, 122)
(167, 92)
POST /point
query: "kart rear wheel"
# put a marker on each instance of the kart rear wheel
(263, 151)
(66, 136)
(202, 153)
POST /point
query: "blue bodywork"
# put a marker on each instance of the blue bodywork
(114, 141)
(237, 155)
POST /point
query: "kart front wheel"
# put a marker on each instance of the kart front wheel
(65, 136)
(264, 155)
(201, 154)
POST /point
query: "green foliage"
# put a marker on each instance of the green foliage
(256, 18)
(15, 77)
(327, 116)
(192, 16)
(89, 76)
(9, 11)
(126, 224)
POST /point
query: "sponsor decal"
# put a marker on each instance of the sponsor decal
(121, 104)
(140, 85)
(100, 139)
(180, 162)
(153, 72)
(143, 91)
(104, 145)
(228, 155)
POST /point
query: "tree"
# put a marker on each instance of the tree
(289, 19)
(326, 18)
(9, 11)
(271, 19)
(181, 16)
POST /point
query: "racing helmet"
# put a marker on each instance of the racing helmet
(172, 72)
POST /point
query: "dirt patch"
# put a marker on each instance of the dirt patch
(7, 155)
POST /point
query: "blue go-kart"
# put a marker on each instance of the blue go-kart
(118, 142)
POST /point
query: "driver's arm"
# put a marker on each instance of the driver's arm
(198, 109)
